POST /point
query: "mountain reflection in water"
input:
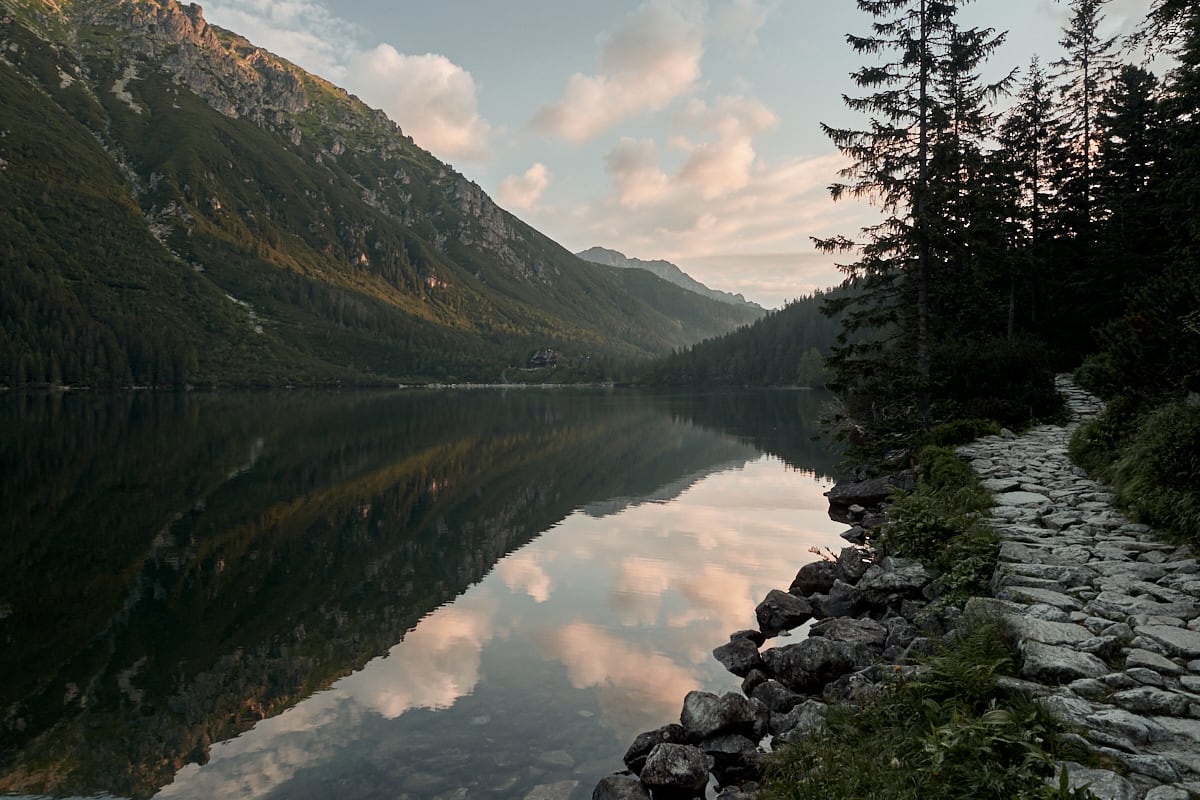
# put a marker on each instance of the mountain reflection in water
(185, 568)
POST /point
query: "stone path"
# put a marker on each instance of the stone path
(1107, 615)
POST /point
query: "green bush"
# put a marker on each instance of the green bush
(960, 431)
(1158, 473)
(940, 524)
(946, 736)
(1151, 458)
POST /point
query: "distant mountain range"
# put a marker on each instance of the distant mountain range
(668, 272)
(179, 206)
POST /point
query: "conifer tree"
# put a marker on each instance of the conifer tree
(926, 110)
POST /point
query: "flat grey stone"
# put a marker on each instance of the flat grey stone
(1000, 484)
(1187, 729)
(1052, 664)
(1177, 641)
(1026, 594)
(1155, 702)
(1102, 783)
(1046, 632)
(1149, 660)
(1167, 793)
(1021, 499)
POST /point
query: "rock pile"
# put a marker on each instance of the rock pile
(865, 619)
(1106, 618)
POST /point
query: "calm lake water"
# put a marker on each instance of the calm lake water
(424, 594)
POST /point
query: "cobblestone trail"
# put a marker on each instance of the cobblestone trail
(1106, 613)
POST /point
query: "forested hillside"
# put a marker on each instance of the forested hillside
(787, 347)
(179, 206)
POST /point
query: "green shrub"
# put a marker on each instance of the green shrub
(1158, 473)
(946, 736)
(960, 431)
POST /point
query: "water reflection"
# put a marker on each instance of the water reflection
(186, 568)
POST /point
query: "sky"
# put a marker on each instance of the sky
(685, 130)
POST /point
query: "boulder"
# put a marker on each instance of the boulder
(739, 656)
(867, 632)
(705, 715)
(620, 787)
(807, 666)
(814, 578)
(776, 697)
(870, 492)
(892, 580)
(635, 756)
(843, 600)
(1050, 664)
(800, 722)
(851, 565)
(782, 611)
(676, 768)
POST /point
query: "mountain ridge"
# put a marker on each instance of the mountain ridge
(188, 208)
(668, 272)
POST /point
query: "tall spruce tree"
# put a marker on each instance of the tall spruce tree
(927, 119)
(1029, 147)
(1081, 73)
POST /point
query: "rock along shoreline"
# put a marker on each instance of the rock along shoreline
(1105, 614)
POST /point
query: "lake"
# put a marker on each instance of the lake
(417, 594)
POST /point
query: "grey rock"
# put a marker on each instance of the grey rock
(620, 787)
(851, 565)
(676, 767)
(1103, 647)
(810, 664)
(801, 721)
(1021, 499)
(1146, 677)
(1024, 594)
(855, 535)
(1167, 793)
(776, 697)
(705, 714)
(1104, 784)
(1156, 767)
(866, 632)
(869, 492)
(782, 611)
(739, 656)
(893, 580)
(1177, 641)
(635, 756)
(1027, 628)
(1053, 664)
(815, 577)
(843, 600)
(1148, 700)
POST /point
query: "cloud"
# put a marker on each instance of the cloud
(523, 572)
(738, 22)
(633, 165)
(636, 685)
(522, 191)
(435, 665)
(651, 59)
(722, 166)
(429, 96)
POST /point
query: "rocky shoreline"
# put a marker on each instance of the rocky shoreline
(1106, 617)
